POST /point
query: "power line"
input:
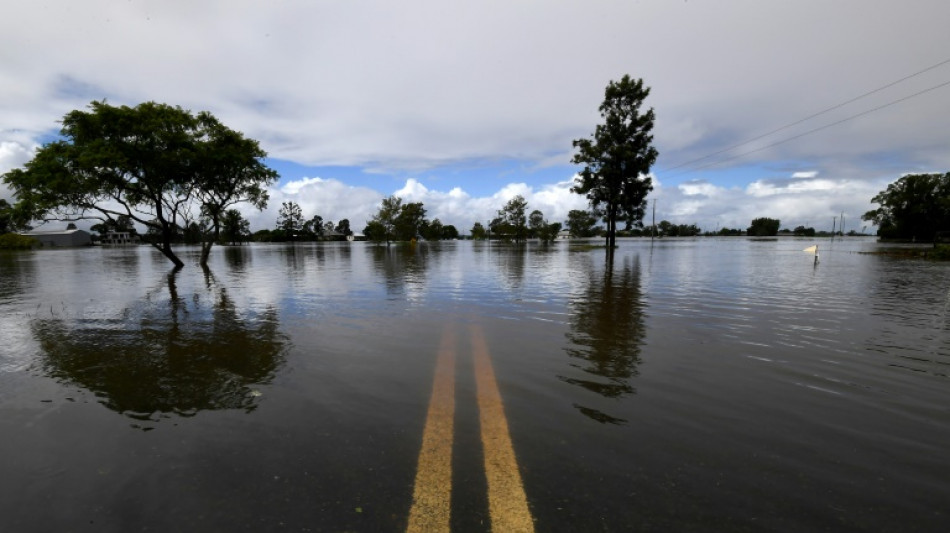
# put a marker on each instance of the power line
(809, 117)
(809, 132)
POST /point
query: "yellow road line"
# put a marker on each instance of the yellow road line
(432, 496)
(507, 502)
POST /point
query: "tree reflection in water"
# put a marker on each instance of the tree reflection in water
(402, 267)
(606, 333)
(179, 355)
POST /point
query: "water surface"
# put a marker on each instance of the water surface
(692, 384)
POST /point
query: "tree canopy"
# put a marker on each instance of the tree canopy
(159, 165)
(512, 223)
(915, 207)
(764, 227)
(581, 223)
(618, 157)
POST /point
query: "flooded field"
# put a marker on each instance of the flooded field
(692, 385)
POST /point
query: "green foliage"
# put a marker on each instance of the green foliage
(122, 223)
(667, 229)
(383, 224)
(234, 227)
(802, 231)
(478, 231)
(581, 223)
(450, 232)
(764, 227)
(376, 231)
(915, 207)
(729, 232)
(618, 157)
(396, 221)
(313, 228)
(432, 231)
(548, 232)
(511, 222)
(12, 241)
(343, 227)
(13, 217)
(410, 221)
(290, 219)
(159, 165)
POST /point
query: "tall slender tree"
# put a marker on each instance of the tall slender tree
(618, 157)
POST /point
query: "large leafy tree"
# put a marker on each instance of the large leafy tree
(915, 207)
(383, 225)
(764, 227)
(234, 227)
(343, 227)
(410, 221)
(618, 157)
(230, 171)
(478, 231)
(581, 223)
(159, 165)
(512, 222)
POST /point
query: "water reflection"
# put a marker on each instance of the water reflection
(403, 269)
(509, 260)
(175, 354)
(237, 257)
(16, 273)
(915, 330)
(606, 333)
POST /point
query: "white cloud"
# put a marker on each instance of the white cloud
(794, 201)
(698, 188)
(12, 155)
(334, 200)
(418, 84)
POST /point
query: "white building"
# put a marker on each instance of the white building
(119, 238)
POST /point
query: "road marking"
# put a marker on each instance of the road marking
(507, 502)
(432, 495)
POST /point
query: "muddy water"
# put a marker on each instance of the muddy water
(710, 384)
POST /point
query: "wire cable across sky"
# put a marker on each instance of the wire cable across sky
(810, 117)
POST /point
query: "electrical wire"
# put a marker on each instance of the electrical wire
(809, 117)
(826, 126)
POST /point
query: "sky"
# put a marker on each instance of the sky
(463, 105)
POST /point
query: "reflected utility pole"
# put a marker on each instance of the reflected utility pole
(653, 228)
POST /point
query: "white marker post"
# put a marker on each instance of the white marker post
(814, 250)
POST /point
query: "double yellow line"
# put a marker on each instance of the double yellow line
(432, 496)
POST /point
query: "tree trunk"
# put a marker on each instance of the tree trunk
(166, 250)
(205, 252)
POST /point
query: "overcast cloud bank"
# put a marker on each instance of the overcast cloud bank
(416, 89)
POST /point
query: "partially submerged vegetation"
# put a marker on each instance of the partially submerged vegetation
(12, 241)
(939, 252)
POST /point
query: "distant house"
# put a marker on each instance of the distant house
(63, 238)
(119, 238)
(564, 234)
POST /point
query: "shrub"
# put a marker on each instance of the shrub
(12, 241)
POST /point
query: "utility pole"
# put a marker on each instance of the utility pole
(834, 221)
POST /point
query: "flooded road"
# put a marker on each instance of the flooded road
(691, 385)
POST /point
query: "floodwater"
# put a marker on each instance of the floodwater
(692, 385)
